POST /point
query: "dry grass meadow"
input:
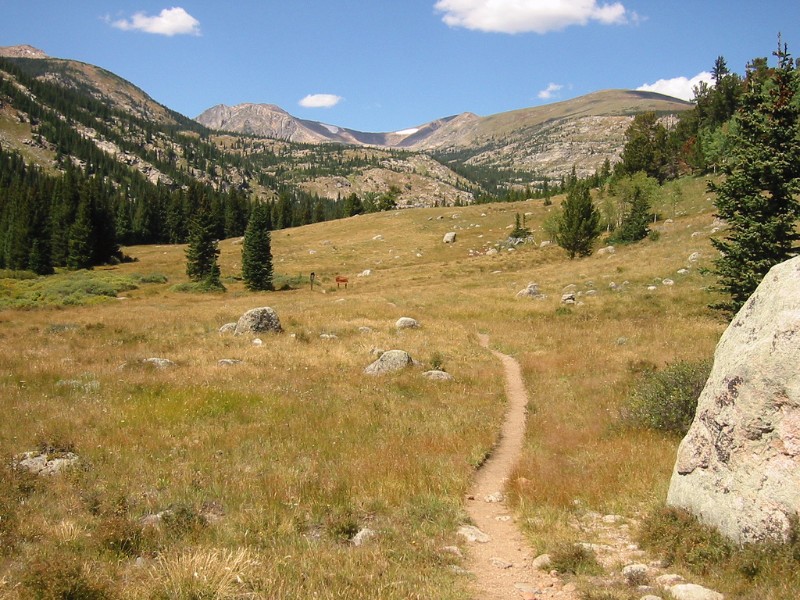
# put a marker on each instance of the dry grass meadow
(268, 468)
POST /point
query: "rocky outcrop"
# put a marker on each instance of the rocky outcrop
(738, 468)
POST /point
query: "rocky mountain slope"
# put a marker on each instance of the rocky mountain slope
(49, 107)
(546, 140)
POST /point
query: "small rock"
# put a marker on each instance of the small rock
(683, 271)
(258, 342)
(606, 251)
(621, 341)
(499, 563)
(503, 518)
(635, 574)
(531, 291)
(159, 363)
(327, 336)
(365, 273)
(43, 463)
(545, 244)
(494, 498)
(454, 550)
(228, 362)
(692, 591)
(228, 328)
(542, 562)
(669, 579)
(377, 238)
(362, 536)
(651, 288)
(694, 257)
(667, 282)
(365, 329)
(438, 375)
(449, 237)
(473, 534)
(611, 519)
(568, 298)
(406, 323)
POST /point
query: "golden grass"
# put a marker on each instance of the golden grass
(281, 456)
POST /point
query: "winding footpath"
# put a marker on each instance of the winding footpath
(501, 564)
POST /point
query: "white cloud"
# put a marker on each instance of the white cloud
(169, 22)
(320, 101)
(678, 87)
(550, 91)
(539, 16)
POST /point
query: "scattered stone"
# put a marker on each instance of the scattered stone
(454, 550)
(683, 271)
(491, 252)
(532, 291)
(667, 282)
(635, 574)
(390, 361)
(499, 563)
(545, 244)
(258, 342)
(228, 328)
(652, 288)
(669, 579)
(228, 362)
(612, 519)
(568, 298)
(258, 320)
(377, 238)
(494, 498)
(406, 323)
(449, 237)
(692, 591)
(327, 336)
(738, 468)
(542, 562)
(608, 250)
(365, 329)
(473, 534)
(503, 518)
(694, 257)
(159, 363)
(45, 463)
(363, 536)
(621, 341)
(365, 273)
(437, 375)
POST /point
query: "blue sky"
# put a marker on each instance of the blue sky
(386, 65)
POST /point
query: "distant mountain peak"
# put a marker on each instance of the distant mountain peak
(22, 51)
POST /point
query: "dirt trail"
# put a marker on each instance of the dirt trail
(502, 565)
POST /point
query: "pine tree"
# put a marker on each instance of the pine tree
(758, 197)
(80, 242)
(201, 255)
(578, 227)
(257, 251)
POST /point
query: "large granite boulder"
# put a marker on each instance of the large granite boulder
(738, 468)
(258, 320)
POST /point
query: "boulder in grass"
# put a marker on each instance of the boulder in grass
(258, 320)
(406, 323)
(389, 362)
(738, 468)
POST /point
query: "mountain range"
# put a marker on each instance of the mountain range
(263, 149)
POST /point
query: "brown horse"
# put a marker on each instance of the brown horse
(340, 279)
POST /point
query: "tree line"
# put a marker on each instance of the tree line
(744, 128)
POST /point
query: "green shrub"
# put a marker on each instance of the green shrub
(681, 539)
(575, 559)
(63, 578)
(151, 278)
(667, 400)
